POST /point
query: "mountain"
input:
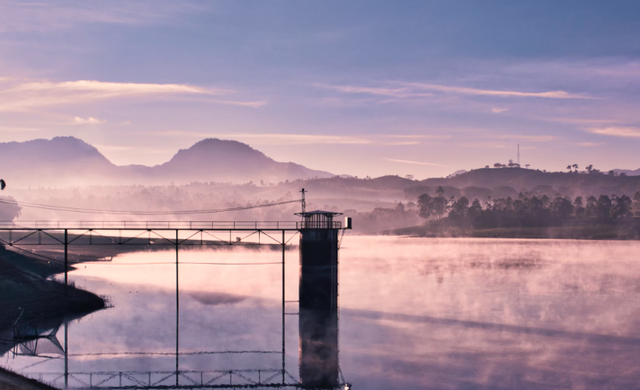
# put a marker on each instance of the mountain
(59, 161)
(68, 161)
(230, 161)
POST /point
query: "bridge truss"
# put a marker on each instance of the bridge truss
(57, 237)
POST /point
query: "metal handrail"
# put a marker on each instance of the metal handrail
(170, 225)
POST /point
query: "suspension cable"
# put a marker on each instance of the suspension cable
(138, 212)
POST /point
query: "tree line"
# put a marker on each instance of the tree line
(533, 211)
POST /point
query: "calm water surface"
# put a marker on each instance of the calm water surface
(415, 314)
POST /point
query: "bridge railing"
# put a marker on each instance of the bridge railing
(320, 225)
(157, 225)
(169, 225)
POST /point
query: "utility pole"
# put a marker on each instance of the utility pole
(304, 203)
(518, 154)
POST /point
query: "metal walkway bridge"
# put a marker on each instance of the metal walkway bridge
(27, 235)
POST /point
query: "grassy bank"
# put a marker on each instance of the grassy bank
(28, 296)
(13, 381)
(587, 232)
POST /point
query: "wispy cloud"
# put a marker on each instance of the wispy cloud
(497, 110)
(404, 143)
(87, 121)
(18, 95)
(251, 104)
(109, 89)
(417, 136)
(581, 121)
(616, 131)
(589, 144)
(309, 139)
(413, 162)
(493, 92)
(378, 91)
(412, 90)
(524, 137)
(46, 16)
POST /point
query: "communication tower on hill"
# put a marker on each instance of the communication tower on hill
(518, 154)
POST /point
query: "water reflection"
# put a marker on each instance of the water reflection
(222, 339)
(415, 314)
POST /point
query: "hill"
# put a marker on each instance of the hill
(510, 180)
(68, 161)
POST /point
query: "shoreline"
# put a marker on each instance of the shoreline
(9, 380)
(586, 232)
(29, 298)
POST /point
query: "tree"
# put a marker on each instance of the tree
(425, 206)
(561, 209)
(545, 201)
(569, 168)
(527, 165)
(474, 210)
(9, 208)
(409, 176)
(459, 208)
(589, 168)
(578, 202)
(578, 208)
(439, 206)
(621, 206)
(591, 210)
(611, 173)
(603, 207)
(576, 167)
(497, 165)
(440, 191)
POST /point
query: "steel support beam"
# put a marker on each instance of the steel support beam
(66, 262)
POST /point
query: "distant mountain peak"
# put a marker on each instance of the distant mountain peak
(72, 161)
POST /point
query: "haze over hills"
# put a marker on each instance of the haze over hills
(68, 161)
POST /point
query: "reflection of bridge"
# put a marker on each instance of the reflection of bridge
(319, 233)
(183, 379)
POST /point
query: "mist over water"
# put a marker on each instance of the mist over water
(414, 313)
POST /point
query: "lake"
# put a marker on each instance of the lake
(415, 313)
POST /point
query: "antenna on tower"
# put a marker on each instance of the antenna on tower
(304, 203)
(518, 154)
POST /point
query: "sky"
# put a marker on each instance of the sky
(366, 88)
